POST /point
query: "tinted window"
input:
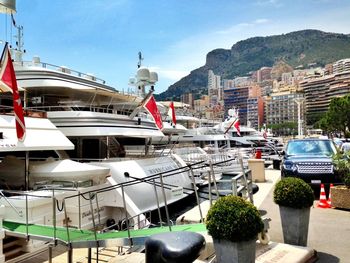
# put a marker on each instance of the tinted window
(311, 147)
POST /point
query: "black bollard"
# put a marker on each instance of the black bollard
(174, 247)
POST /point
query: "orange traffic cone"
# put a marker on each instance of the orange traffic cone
(329, 201)
(323, 200)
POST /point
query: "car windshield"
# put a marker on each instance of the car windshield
(311, 147)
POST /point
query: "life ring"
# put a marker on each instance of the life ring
(264, 238)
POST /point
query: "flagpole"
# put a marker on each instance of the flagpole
(138, 108)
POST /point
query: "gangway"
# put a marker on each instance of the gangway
(78, 238)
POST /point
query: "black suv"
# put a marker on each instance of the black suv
(310, 160)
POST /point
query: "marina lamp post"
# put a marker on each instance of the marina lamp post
(299, 101)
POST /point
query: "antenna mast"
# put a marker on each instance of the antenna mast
(140, 60)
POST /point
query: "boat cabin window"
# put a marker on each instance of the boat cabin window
(62, 184)
(37, 155)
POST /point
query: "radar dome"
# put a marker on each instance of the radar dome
(153, 77)
(143, 74)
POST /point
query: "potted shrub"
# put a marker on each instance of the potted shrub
(294, 197)
(234, 225)
(341, 193)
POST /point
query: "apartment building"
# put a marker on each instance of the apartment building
(187, 98)
(215, 90)
(237, 97)
(320, 90)
(281, 107)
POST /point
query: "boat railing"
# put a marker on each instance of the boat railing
(59, 203)
(62, 69)
(68, 71)
(72, 107)
(10, 203)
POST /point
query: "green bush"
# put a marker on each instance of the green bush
(293, 192)
(342, 165)
(234, 219)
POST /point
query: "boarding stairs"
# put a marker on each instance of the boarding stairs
(112, 145)
(241, 183)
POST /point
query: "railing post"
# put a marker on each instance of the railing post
(54, 215)
(66, 220)
(234, 186)
(89, 255)
(209, 187)
(27, 226)
(70, 255)
(98, 210)
(158, 206)
(196, 193)
(126, 214)
(93, 219)
(214, 179)
(50, 254)
(165, 202)
(79, 210)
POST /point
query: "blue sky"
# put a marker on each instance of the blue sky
(174, 36)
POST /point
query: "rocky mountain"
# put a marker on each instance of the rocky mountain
(299, 48)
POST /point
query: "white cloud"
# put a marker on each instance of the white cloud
(276, 3)
(261, 21)
(173, 75)
(238, 27)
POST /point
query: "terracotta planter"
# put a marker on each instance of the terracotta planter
(340, 196)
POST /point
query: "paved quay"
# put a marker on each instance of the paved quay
(329, 231)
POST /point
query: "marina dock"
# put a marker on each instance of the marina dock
(328, 236)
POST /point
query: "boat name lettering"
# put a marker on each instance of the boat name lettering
(7, 144)
(160, 169)
(88, 213)
(177, 191)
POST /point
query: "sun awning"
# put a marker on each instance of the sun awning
(41, 134)
(8, 6)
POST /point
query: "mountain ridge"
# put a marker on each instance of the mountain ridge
(295, 48)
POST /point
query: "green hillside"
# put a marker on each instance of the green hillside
(295, 48)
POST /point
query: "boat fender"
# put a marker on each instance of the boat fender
(111, 225)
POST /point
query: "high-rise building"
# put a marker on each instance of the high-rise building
(201, 105)
(281, 107)
(341, 65)
(187, 98)
(263, 74)
(237, 97)
(215, 91)
(320, 88)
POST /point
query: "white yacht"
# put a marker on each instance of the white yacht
(96, 119)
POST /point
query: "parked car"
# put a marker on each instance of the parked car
(310, 160)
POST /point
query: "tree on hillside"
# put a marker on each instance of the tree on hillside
(337, 118)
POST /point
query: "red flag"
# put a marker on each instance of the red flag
(151, 106)
(235, 124)
(8, 78)
(265, 134)
(171, 113)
